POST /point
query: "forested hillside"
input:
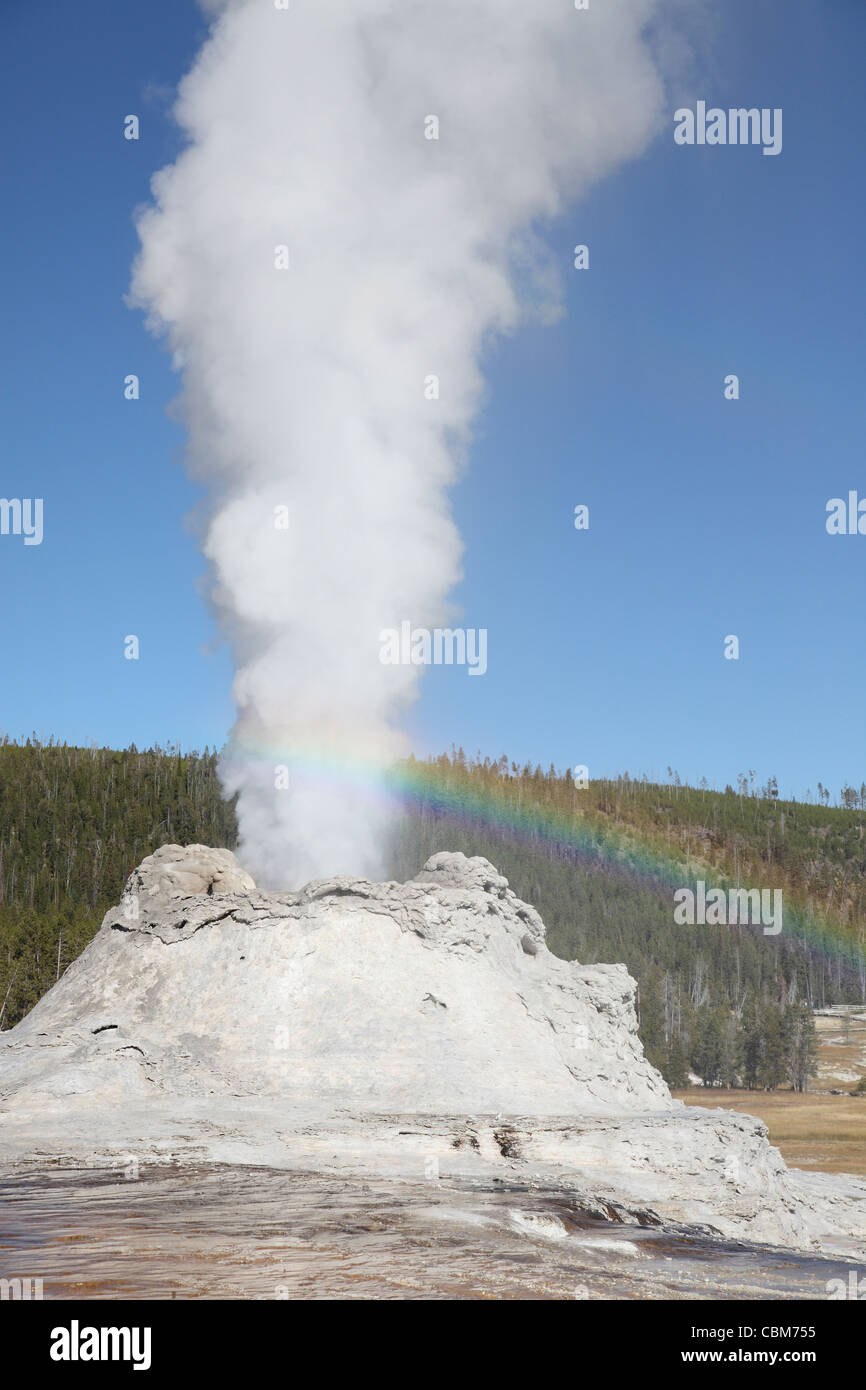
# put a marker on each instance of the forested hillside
(73, 824)
(598, 862)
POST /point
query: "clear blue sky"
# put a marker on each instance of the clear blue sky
(707, 516)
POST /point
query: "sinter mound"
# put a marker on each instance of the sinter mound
(209, 1021)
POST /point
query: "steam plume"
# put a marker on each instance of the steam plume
(305, 388)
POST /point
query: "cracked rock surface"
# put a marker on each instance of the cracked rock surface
(378, 1027)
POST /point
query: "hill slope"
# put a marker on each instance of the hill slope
(599, 864)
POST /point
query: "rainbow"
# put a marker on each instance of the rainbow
(590, 840)
(587, 837)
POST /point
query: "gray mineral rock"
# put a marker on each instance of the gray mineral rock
(376, 1027)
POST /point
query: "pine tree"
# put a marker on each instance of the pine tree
(801, 1045)
(750, 1046)
(729, 1061)
(652, 1018)
(708, 1045)
(773, 1068)
(676, 1065)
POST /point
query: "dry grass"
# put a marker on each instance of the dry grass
(812, 1131)
(816, 1130)
(842, 1054)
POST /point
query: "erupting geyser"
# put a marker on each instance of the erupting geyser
(351, 220)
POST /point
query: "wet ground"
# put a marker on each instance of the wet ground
(251, 1233)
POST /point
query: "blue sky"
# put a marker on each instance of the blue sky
(707, 516)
